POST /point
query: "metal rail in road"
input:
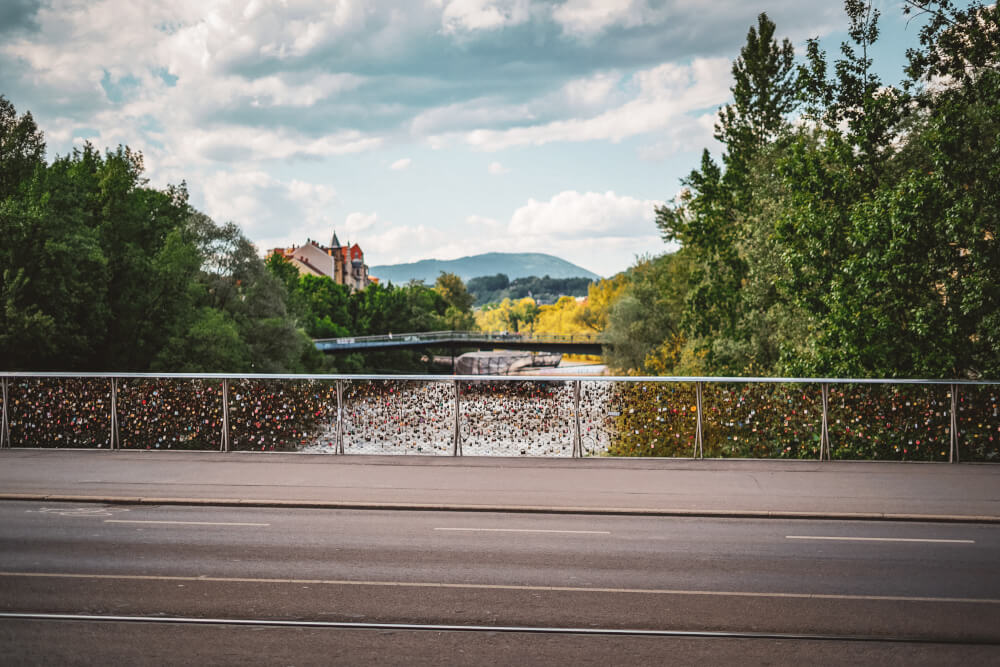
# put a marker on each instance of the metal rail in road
(566, 343)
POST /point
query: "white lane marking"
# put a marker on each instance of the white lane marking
(876, 539)
(528, 530)
(501, 587)
(79, 511)
(187, 523)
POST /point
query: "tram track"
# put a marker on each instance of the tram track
(506, 629)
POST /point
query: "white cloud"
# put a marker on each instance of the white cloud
(469, 114)
(496, 169)
(592, 91)
(316, 201)
(358, 222)
(471, 15)
(589, 94)
(662, 97)
(230, 143)
(589, 17)
(588, 215)
(245, 70)
(272, 213)
(400, 164)
(687, 133)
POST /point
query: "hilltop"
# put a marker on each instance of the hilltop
(512, 264)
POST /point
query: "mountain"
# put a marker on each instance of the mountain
(514, 264)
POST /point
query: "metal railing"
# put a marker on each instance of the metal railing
(458, 336)
(694, 417)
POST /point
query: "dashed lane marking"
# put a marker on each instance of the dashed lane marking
(876, 539)
(527, 530)
(188, 523)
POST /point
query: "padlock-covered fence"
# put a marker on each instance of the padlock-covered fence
(705, 417)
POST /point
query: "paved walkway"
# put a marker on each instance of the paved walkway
(862, 490)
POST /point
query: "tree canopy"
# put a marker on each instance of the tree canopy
(101, 272)
(851, 226)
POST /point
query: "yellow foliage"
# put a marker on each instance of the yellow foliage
(562, 317)
(600, 297)
(492, 318)
(663, 358)
(691, 360)
(512, 316)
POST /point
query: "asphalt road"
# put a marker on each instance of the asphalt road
(830, 580)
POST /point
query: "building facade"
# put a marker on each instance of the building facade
(344, 264)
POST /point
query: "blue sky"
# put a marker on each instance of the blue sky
(419, 129)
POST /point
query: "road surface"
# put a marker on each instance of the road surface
(791, 591)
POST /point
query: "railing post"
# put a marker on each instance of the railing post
(340, 417)
(699, 448)
(577, 441)
(953, 453)
(115, 442)
(457, 435)
(224, 446)
(824, 437)
(4, 430)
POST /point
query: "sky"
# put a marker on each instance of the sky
(416, 128)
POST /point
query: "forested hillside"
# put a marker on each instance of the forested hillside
(512, 264)
(544, 290)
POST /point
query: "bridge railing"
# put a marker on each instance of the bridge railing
(452, 336)
(699, 417)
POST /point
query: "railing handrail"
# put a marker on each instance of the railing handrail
(460, 335)
(698, 382)
(488, 378)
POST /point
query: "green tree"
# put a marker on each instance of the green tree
(453, 291)
(644, 331)
(327, 306)
(211, 343)
(458, 314)
(959, 42)
(22, 148)
(236, 281)
(765, 91)
(709, 219)
(889, 234)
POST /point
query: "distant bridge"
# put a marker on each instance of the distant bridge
(565, 343)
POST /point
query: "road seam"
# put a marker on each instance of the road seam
(513, 509)
(502, 587)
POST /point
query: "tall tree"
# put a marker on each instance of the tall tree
(709, 221)
(22, 148)
(890, 225)
(765, 92)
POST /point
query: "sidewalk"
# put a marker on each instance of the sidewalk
(734, 488)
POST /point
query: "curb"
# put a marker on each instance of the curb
(513, 509)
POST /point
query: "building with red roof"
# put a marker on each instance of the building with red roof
(344, 264)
